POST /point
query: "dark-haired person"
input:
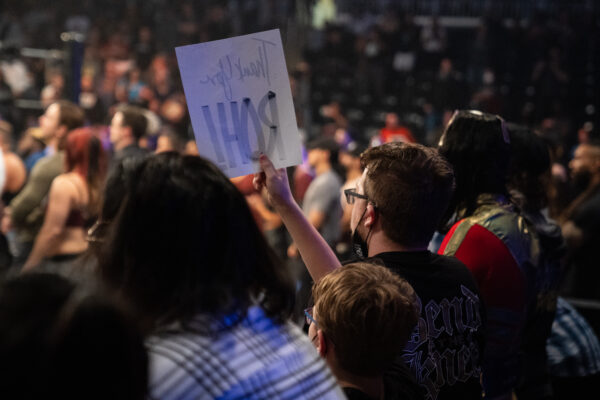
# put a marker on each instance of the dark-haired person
(492, 239)
(73, 202)
(185, 251)
(59, 340)
(398, 202)
(362, 317)
(528, 181)
(26, 210)
(127, 127)
(581, 227)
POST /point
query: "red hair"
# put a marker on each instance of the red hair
(84, 155)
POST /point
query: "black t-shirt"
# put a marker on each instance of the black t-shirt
(445, 350)
(584, 271)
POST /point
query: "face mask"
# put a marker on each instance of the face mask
(360, 248)
(359, 245)
(581, 180)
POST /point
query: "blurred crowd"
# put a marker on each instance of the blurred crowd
(459, 151)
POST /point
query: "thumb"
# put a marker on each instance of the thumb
(266, 165)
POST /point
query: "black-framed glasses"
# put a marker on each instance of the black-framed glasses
(351, 194)
(308, 317)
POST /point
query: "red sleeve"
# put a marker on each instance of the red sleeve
(503, 288)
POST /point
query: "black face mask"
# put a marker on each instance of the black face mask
(359, 245)
(360, 248)
(581, 180)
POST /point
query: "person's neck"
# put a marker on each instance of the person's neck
(379, 243)
(371, 386)
(120, 145)
(322, 168)
(53, 145)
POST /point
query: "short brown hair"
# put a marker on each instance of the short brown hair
(368, 313)
(134, 118)
(70, 115)
(411, 186)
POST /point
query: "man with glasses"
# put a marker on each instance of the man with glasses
(398, 203)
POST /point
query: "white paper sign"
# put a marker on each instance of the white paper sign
(240, 102)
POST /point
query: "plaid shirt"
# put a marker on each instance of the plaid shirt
(573, 348)
(255, 359)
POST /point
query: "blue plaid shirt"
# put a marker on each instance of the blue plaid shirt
(255, 359)
(573, 348)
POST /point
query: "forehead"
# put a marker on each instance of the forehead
(118, 118)
(53, 110)
(585, 150)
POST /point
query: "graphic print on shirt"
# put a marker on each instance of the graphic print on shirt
(443, 348)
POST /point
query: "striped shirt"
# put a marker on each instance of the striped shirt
(573, 348)
(255, 359)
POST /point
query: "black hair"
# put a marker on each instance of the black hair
(58, 340)
(478, 147)
(185, 243)
(529, 171)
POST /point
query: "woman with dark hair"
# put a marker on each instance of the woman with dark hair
(73, 202)
(493, 240)
(185, 251)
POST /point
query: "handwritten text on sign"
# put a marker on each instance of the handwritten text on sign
(240, 102)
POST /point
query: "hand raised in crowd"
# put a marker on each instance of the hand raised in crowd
(275, 181)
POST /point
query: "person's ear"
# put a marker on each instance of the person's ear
(62, 131)
(321, 343)
(370, 217)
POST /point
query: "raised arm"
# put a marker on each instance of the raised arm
(314, 250)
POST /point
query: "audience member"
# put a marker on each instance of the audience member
(15, 172)
(225, 304)
(63, 341)
(73, 204)
(581, 224)
(26, 210)
(398, 202)
(362, 317)
(127, 127)
(573, 354)
(528, 181)
(493, 240)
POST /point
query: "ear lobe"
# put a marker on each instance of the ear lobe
(370, 216)
(321, 343)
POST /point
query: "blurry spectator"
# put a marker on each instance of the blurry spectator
(170, 140)
(581, 224)
(127, 127)
(360, 353)
(493, 240)
(529, 179)
(321, 201)
(15, 172)
(573, 354)
(26, 211)
(31, 147)
(227, 299)
(73, 204)
(433, 44)
(61, 341)
(394, 131)
(54, 90)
